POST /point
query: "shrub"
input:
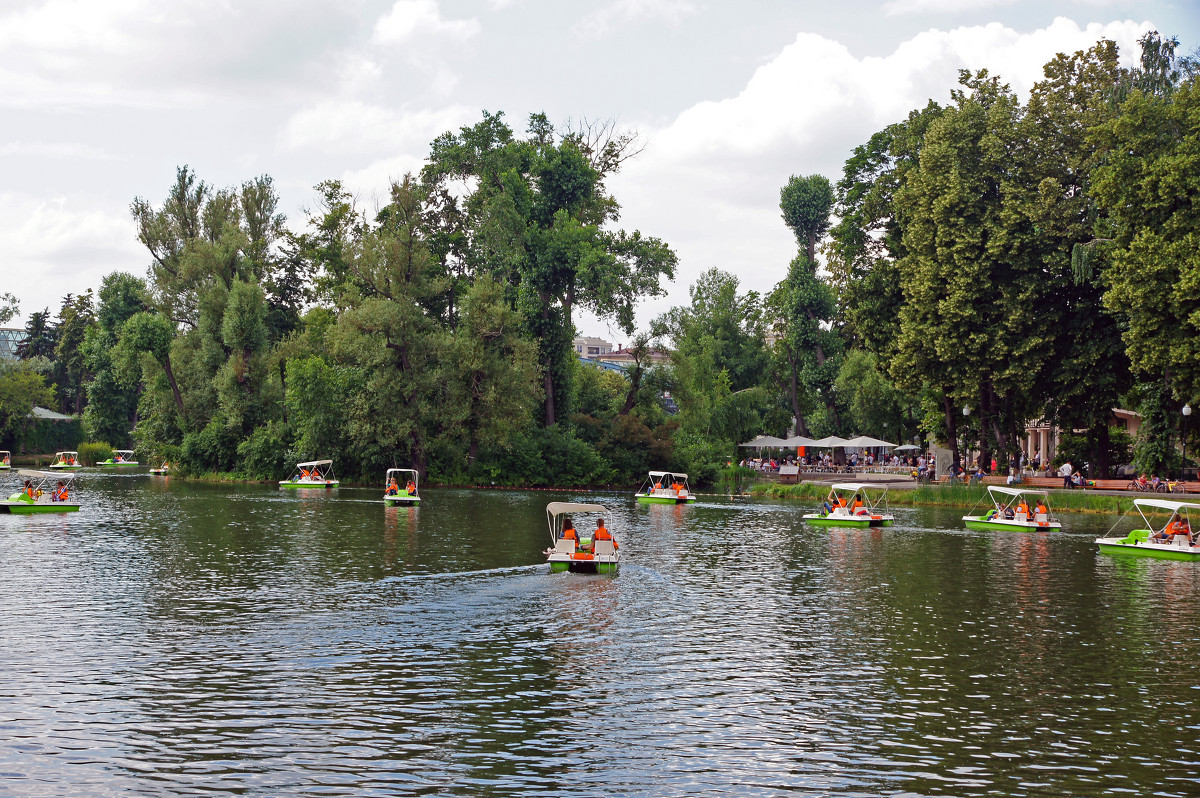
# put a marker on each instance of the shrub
(264, 455)
(94, 452)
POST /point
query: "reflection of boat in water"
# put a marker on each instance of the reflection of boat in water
(1173, 540)
(313, 474)
(665, 487)
(120, 458)
(853, 504)
(598, 553)
(64, 460)
(42, 494)
(398, 490)
(1011, 512)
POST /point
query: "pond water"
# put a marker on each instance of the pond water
(185, 639)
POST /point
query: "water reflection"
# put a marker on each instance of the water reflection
(174, 638)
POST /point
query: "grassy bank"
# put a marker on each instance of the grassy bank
(1072, 501)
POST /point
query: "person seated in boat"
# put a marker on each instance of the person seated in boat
(117, 458)
(7, 461)
(393, 488)
(1176, 526)
(657, 485)
(858, 508)
(1009, 514)
(568, 530)
(828, 507)
(602, 533)
(60, 492)
(677, 487)
(411, 488)
(1023, 508)
(28, 489)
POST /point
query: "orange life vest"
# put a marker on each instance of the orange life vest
(411, 487)
(569, 534)
(602, 533)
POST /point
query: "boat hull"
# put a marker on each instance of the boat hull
(401, 499)
(644, 499)
(584, 566)
(857, 523)
(1134, 546)
(159, 472)
(314, 485)
(26, 508)
(107, 464)
(977, 522)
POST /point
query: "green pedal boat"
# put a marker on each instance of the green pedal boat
(1173, 534)
(5, 460)
(854, 504)
(665, 487)
(400, 486)
(313, 474)
(121, 458)
(1012, 512)
(65, 460)
(42, 492)
(591, 550)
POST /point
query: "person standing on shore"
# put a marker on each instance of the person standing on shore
(1065, 473)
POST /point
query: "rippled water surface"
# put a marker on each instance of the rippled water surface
(183, 639)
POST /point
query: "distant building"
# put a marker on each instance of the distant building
(592, 347)
(10, 339)
(1043, 437)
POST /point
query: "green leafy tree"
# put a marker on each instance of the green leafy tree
(40, 337)
(21, 389)
(75, 321)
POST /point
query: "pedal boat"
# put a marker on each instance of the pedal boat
(840, 510)
(120, 458)
(162, 470)
(583, 555)
(42, 501)
(65, 460)
(402, 477)
(1004, 516)
(656, 489)
(313, 474)
(5, 460)
(1153, 540)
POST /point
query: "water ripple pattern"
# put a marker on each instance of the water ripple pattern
(182, 639)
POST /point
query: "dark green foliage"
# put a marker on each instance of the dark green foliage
(266, 453)
(93, 452)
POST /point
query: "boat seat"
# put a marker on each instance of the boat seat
(1041, 518)
(1022, 517)
(1183, 540)
(564, 546)
(604, 547)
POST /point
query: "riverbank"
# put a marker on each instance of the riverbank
(1074, 501)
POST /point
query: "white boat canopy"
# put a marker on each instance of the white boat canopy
(1166, 504)
(857, 486)
(668, 474)
(1016, 491)
(558, 508)
(122, 451)
(315, 463)
(65, 476)
(862, 441)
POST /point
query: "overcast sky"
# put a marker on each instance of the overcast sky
(103, 99)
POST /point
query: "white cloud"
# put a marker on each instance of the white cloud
(352, 126)
(708, 183)
(895, 8)
(64, 150)
(411, 18)
(622, 13)
(51, 246)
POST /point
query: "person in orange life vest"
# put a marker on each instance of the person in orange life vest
(658, 485)
(568, 530)
(1023, 508)
(677, 487)
(1175, 526)
(60, 493)
(393, 488)
(29, 489)
(858, 507)
(602, 533)
(1042, 509)
(411, 488)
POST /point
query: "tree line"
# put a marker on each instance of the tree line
(1023, 259)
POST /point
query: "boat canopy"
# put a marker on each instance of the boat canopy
(315, 463)
(65, 476)
(56, 454)
(122, 451)
(668, 474)
(558, 508)
(391, 471)
(857, 486)
(1166, 504)
(1016, 491)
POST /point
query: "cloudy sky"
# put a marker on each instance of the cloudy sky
(103, 99)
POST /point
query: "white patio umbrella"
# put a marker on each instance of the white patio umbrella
(764, 442)
(908, 447)
(832, 442)
(799, 440)
(862, 441)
